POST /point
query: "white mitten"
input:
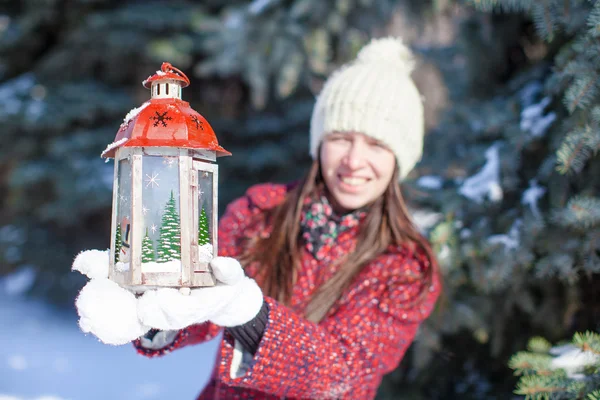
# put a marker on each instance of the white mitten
(105, 309)
(235, 300)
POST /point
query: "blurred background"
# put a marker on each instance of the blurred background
(507, 190)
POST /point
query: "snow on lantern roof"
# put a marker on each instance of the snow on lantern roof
(165, 122)
(167, 72)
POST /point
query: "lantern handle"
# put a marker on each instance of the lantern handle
(167, 67)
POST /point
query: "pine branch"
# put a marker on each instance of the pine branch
(588, 341)
(535, 387)
(595, 395)
(581, 93)
(574, 151)
(525, 363)
(544, 19)
(592, 137)
(593, 21)
(576, 67)
(580, 212)
(595, 114)
(538, 345)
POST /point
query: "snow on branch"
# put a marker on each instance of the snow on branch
(531, 196)
(486, 183)
(533, 119)
(430, 182)
(511, 239)
(572, 360)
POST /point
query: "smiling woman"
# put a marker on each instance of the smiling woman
(324, 282)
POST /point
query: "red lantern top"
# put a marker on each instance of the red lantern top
(167, 71)
(165, 120)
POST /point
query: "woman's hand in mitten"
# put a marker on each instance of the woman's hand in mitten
(105, 309)
(234, 300)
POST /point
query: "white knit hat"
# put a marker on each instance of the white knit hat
(374, 95)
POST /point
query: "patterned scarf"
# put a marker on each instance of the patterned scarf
(321, 225)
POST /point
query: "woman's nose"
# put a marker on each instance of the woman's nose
(355, 157)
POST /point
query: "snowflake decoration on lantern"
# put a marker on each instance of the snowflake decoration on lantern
(199, 124)
(123, 199)
(153, 228)
(169, 161)
(152, 180)
(145, 210)
(161, 118)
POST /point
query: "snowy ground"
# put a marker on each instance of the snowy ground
(44, 356)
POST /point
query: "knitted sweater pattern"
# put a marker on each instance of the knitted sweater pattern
(363, 337)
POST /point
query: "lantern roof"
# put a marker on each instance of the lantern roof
(165, 121)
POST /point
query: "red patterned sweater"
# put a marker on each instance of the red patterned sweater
(345, 356)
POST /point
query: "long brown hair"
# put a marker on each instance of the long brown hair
(387, 223)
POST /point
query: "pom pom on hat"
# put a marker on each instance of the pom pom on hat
(388, 51)
(374, 95)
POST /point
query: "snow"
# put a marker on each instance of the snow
(425, 219)
(509, 240)
(133, 113)
(169, 266)
(572, 359)
(233, 21)
(46, 357)
(159, 73)
(205, 253)
(530, 91)
(486, 183)
(110, 312)
(430, 182)
(533, 119)
(465, 233)
(92, 263)
(258, 6)
(113, 145)
(444, 253)
(121, 266)
(531, 196)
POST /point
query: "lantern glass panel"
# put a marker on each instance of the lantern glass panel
(124, 228)
(205, 215)
(161, 243)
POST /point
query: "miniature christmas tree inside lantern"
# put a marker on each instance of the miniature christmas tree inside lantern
(164, 219)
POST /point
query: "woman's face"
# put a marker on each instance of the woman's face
(356, 168)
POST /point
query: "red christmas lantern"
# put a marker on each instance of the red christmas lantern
(165, 197)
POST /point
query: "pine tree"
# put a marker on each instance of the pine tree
(117, 242)
(169, 242)
(148, 254)
(570, 371)
(203, 235)
(574, 197)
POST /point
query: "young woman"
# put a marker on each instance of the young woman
(336, 277)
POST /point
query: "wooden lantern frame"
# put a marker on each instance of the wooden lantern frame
(193, 272)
